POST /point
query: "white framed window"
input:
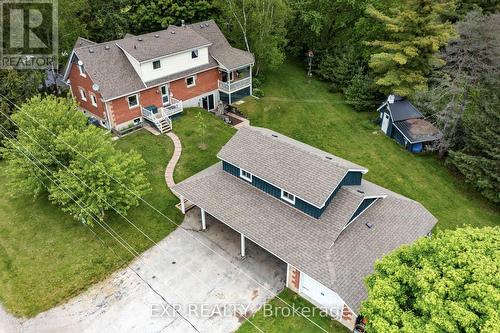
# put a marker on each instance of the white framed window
(156, 64)
(191, 81)
(246, 175)
(133, 101)
(93, 99)
(81, 68)
(137, 121)
(288, 197)
(194, 54)
(83, 94)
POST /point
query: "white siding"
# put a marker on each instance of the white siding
(135, 64)
(173, 64)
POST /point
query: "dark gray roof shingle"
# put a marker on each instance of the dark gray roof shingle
(221, 50)
(162, 43)
(306, 242)
(418, 130)
(306, 172)
(402, 109)
(108, 66)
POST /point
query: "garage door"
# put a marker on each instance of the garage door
(321, 295)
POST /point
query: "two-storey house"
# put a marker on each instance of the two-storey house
(309, 208)
(152, 77)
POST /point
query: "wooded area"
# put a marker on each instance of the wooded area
(443, 55)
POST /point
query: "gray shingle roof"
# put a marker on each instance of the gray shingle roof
(169, 41)
(306, 242)
(108, 66)
(306, 172)
(221, 50)
(402, 109)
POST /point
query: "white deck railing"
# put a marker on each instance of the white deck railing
(164, 112)
(235, 85)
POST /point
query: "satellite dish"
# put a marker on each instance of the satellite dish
(95, 87)
(80, 62)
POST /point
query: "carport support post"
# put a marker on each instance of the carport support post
(183, 205)
(203, 222)
(242, 245)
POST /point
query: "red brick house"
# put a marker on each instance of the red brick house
(150, 78)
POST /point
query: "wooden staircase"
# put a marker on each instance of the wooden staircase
(164, 125)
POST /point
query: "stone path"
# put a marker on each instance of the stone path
(169, 172)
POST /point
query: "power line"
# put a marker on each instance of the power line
(166, 217)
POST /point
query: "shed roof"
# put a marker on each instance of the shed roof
(402, 109)
(306, 172)
(221, 50)
(418, 130)
(338, 259)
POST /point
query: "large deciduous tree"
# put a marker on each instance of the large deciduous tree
(415, 32)
(448, 283)
(258, 26)
(56, 149)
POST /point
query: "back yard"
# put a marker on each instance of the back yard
(305, 110)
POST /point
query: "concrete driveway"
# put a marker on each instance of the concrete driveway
(210, 294)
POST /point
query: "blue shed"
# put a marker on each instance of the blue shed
(401, 121)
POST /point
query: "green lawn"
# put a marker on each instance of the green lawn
(305, 110)
(308, 112)
(282, 321)
(46, 257)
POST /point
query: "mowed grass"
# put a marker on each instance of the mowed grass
(287, 313)
(305, 110)
(46, 257)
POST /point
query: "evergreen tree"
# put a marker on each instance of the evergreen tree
(360, 94)
(415, 31)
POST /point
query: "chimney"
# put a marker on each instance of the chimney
(182, 23)
(390, 99)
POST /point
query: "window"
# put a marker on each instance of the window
(83, 94)
(156, 64)
(288, 197)
(133, 101)
(93, 99)
(137, 121)
(246, 175)
(82, 70)
(194, 54)
(191, 81)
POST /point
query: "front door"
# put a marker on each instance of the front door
(165, 98)
(208, 102)
(385, 122)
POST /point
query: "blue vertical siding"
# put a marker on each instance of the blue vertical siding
(364, 204)
(351, 178)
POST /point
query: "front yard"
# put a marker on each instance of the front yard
(46, 257)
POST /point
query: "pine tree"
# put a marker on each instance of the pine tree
(415, 31)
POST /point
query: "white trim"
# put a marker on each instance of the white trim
(249, 179)
(93, 99)
(349, 221)
(287, 283)
(324, 203)
(203, 219)
(128, 101)
(380, 107)
(242, 245)
(285, 198)
(170, 54)
(194, 81)
(183, 205)
(83, 94)
(81, 69)
(68, 66)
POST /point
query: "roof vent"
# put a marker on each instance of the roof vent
(369, 225)
(328, 158)
(359, 191)
(106, 47)
(172, 32)
(91, 51)
(135, 47)
(274, 135)
(182, 23)
(390, 99)
(206, 24)
(139, 39)
(201, 26)
(157, 36)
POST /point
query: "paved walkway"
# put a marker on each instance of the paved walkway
(200, 272)
(169, 171)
